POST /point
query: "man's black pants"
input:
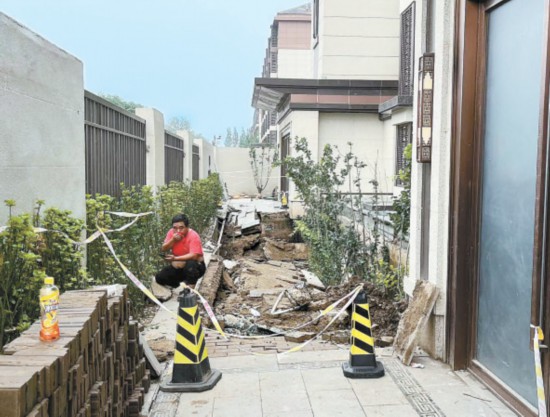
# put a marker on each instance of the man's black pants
(189, 274)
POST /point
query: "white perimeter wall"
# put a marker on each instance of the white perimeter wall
(42, 123)
(233, 165)
(207, 160)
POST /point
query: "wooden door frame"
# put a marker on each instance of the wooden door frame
(466, 157)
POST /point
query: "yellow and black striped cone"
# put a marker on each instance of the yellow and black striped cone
(191, 371)
(362, 361)
(284, 201)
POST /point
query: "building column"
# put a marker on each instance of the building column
(188, 160)
(154, 137)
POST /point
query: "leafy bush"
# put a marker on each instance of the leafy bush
(338, 250)
(61, 258)
(20, 277)
(27, 257)
(332, 244)
(199, 200)
(402, 205)
(138, 246)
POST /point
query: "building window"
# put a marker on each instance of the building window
(404, 137)
(406, 64)
(274, 36)
(315, 19)
(273, 62)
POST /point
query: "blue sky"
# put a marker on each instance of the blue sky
(190, 58)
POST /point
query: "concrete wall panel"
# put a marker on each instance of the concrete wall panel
(233, 165)
(42, 133)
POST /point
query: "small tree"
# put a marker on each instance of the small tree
(120, 102)
(262, 158)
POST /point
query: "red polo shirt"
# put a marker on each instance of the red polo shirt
(191, 243)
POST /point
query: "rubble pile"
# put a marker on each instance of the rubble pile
(266, 287)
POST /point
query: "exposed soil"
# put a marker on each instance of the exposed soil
(264, 276)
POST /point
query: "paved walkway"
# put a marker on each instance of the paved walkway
(259, 381)
(312, 384)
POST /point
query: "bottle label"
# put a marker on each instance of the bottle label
(48, 306)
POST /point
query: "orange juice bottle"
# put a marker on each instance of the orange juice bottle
(49, 303)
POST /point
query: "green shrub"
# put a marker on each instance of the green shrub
(20, 277)
(138, 246)
(60, 257)
(27, 257)
(338, 250)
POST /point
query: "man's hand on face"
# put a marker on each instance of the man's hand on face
(177, 236)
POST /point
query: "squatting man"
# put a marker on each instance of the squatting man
(186, 260)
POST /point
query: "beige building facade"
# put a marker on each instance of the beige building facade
(479, 199)
(355, 70)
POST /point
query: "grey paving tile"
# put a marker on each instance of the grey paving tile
(434, 373)
(374, 395)
(404, 410)
(285, 402)
(325, 379)
(334, 403)
(301, 413)
(287, 380)
(453, 403)
(480, 391)
(241, 384)
(314, 356)
(248, 363)
(195, 407)
(237, 407)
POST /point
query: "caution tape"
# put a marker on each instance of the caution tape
(350, 295)
(307, 342)
(103, 233)
(215, 321)
(301, 326)
(97, 233)
(541, 399)
(132, 277)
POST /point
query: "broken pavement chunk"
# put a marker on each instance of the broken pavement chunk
(414, 319)
(298, 337)
(229, 265)
(162, 293)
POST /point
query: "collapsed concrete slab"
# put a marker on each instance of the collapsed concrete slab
(414, 319)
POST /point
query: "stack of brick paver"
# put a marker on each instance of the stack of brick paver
(95, 369)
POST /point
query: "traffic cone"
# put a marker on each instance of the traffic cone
(362, 362)
(191, 371)
(284, 201)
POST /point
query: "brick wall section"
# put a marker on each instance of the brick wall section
(96, 368)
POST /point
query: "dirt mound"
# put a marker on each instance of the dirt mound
(267, 289)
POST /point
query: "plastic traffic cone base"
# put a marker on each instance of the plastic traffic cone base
(191, 371)
(362, 362)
